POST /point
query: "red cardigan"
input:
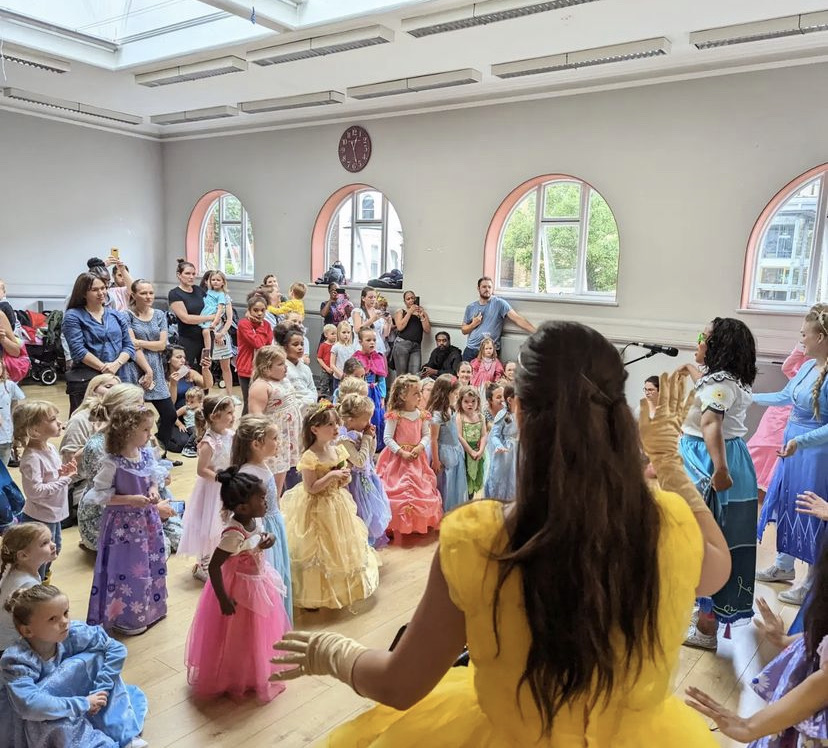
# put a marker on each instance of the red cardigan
(249, 338)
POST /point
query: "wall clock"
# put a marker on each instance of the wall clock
(355, 148)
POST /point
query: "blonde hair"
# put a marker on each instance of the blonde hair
(194, 392)
(344, 326)
(28, 415)
(123, 395)
(818, 315)
(354, 406)
(122, 423)
(487, 339)
(22, 603)
(298, 290)
(250, 429)
(90, 397)
(265, 357)
(18, 538)
(396, 399)
(329, 328)
(352, 386)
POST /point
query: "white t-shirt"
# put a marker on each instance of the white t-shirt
(14, 580)
(9, 393)
(721, 393)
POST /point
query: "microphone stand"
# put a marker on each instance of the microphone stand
(649, 354)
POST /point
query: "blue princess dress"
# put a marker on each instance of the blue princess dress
(43, 702)
(501, 481)
(451, 480)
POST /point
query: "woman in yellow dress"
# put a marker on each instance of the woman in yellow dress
(573, 601)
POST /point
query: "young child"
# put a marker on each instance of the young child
(215, 304)
(486, 367)
(359, 437)
(403, 467)
(330, 559)
(186, 418)
(25, 549)
(447, 456)
(376, 370)
(241, 612)
(323, 354)
(472, 428)
(62, 680)
(253, 332)
(353, 386)
(501, 452)
(10, 395)
(295, 303)
(129, 585)
(255, 445)
(221, 349)
(342, 350)
(464, 373)
(352, 369)
(45, 480)
(202, 518)
(272, 394)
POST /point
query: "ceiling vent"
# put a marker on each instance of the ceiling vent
(193, 72)
(194, 115)
(773, 28)
(480, 14)
(319, 46)
(322, 98)
(21, 56)
(418, 83)
(71, 106)
(583, 58)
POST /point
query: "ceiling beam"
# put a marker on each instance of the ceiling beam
(276, 15)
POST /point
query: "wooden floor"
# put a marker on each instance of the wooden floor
(309, 707)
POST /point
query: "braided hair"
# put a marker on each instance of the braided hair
(818, 317)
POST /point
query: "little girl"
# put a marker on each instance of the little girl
(272, 394)
(447, 456)
(359, 437)
(323, 355)
(426, 385)
(501, 452)
(255, 444)
(45, 480)
(486, 367)
(376, 370)
(473, 431)
(10, 395)
(342, 350)
(217, 302)
(202, 518)
(240, 613)
(129, 585)
(252, 333)
(352, 370)
(330, 559)
(464, 373)
(25, 548)
(403, 467)
(63, 680)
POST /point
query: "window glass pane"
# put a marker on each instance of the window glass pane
(339, 237)
(602, 247)
(518, 245)
(231, 238)
(249, 254)
(559, 259)
(231, 208)
(367, 253)
(394, 250)
(369, 206)
(210, 242)
(562, 200)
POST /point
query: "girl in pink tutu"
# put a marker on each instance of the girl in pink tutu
(241, 611)
(403, 467)
(202, 518)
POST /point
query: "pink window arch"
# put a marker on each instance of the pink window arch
(242, 239)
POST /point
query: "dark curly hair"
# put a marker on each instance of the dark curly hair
(237, 487)
(731, 347)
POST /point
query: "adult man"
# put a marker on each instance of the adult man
(484, 319)
(444, 359)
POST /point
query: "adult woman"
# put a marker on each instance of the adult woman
(650, 395)
(338, 306)
(186, 303)
(98, 337)
(181, 376)
(411, 323)
(717, 460)
(370, 314)
(298, 372)
(596, 646)
(117, 281)
(148, 330)
(805, 458)
(8, 342)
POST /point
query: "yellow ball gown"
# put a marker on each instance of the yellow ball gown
(477, 706)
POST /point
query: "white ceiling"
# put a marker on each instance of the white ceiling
(143, 35)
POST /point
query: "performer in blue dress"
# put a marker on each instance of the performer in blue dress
(501, 452)
(448, 459)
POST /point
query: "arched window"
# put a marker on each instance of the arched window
(556, 236)
(365, 235)
(784, 268)
(226, 239)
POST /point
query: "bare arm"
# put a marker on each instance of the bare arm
(467, 327)
(402, 316)
(180, 311)
(711, 426)
(257, 398)
(466, 448)
(228, 318)
(228, 606)
(520, 321)
(205, 457)
(426, 322)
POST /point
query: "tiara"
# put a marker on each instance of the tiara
(322, 406)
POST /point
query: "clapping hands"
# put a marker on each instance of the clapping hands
(68, 468)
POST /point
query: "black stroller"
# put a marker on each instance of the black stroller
(47, 357)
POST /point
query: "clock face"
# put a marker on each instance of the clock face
(354, 148)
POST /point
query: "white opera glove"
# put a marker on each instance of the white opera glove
(317, 653)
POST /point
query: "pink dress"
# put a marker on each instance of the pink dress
(231, 654)
(285, 407)
(768, 438)
(485, 370)
(411, 486)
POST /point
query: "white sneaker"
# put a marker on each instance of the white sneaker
(137, 743)
(701, 641)
(795, 596)
(200, 573)
(774, 574)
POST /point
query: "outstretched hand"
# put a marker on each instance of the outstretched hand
(660, 433)
(730, 723)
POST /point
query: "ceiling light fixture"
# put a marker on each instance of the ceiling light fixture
(322, 98)
(195, 71)
(194, 115)
(417, 83)
(71, 106)
(583, 58)
(772, 28)
(319, 46)
(21, 56)
(480, 14)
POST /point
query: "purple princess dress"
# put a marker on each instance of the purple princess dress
(129, 586)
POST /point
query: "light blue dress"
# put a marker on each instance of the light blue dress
(501, 478)
(212, 301)
(451, 480)
(43, 702)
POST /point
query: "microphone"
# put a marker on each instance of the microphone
(667, 350)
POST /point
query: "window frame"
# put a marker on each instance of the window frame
(580, 294)
(248, 258)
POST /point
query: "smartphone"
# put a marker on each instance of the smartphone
(416, 301)
(114, 253)
(340, 291)
(184, 370)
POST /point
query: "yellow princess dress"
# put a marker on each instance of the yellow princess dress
(477, 706)
(331, 563)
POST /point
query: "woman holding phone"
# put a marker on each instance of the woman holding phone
(338, 306)
(411, 322)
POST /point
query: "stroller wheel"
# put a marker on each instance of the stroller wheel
(48, 376)
(35, 373)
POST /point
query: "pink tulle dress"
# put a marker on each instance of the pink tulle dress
(231, 654)
(769, 436)
(416, 504)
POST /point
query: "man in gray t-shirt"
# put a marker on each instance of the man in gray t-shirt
(484, 319)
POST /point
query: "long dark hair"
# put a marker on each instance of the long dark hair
(816, 614)
(731, 348)
(77, 299)
(583, 506)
